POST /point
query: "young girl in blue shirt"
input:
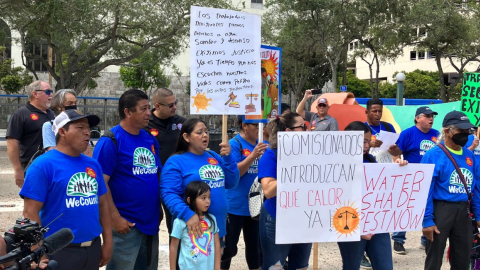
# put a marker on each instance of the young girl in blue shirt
(196, 253)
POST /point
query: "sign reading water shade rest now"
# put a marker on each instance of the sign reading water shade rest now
(224, 62)
(470, 102)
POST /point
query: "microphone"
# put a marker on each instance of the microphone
(57, 241)
(51, 244)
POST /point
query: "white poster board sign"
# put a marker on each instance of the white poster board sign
(224, 62)
(319, 178)
(394, 197)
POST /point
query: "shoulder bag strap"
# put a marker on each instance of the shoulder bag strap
(460, 174)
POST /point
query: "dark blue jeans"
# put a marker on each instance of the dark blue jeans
(378, 249)
(273, 254)
(402, 236)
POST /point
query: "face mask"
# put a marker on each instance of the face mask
(73, 107)
(460, 139)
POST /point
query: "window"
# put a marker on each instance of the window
(421, 55)
(422, 31)
(40, 49)
(6, 39)
(430, 55)
(413, 55)
(257, 1)
(350, 46)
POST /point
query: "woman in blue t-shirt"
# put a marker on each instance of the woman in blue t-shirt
(192, 162)
(377, 246)
(275, 255)
(246, 153)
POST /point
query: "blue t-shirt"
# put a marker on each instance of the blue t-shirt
(476, 151)
(67, 185)
(133, 166)
(196, 253)
(48, 135)
(447, 185)
(414, 143)
(376, 129)
(267, 167)
(238, 197)
(218, 173)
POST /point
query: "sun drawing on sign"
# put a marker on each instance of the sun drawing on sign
(201, 101)
(346, 220)
(271, 65)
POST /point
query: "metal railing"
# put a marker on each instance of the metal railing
(100, 106)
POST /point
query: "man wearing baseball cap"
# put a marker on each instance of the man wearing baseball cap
(447, 210)
(319, 121)
(414, 143)
(66, 184)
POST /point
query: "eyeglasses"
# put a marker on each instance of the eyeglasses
(253, 124)
(169, 105)
(428, 115)
(322, 105)
(47, 92)
(304, 127)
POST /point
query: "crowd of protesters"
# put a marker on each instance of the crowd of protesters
(155, 157)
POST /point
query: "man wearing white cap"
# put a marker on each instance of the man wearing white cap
(319, 121)
(66, 184)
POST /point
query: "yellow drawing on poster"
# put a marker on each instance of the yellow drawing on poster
(201, 101)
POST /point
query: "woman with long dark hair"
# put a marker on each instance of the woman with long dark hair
(275, 255)
(192, 162)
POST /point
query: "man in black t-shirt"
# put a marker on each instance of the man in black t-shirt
(165, 125)
(24, 131)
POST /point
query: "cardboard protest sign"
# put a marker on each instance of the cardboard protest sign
(394, 197)
(271, 59)
(224, 62)
(319, 178)
(471, 97)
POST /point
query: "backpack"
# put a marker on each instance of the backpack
(387, 126)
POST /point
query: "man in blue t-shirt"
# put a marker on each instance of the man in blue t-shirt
(131, 166)
(414, 143)
(65, 184)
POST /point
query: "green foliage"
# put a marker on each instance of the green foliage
(360, 88)
(12, 79)
(418, 84)
(89, 35)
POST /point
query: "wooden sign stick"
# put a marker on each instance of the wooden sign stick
(315, 256)
(260, 132)
(224, 128)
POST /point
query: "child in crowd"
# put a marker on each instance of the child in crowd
(201, 253)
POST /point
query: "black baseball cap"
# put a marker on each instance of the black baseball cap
(69, 116)
(458, 119)
(425, 110)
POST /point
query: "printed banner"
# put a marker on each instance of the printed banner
(271, 67)
(224, 62)
(470, 102)
(319, 178)
(394, 197)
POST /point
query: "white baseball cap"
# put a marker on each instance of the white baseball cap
(72, 115)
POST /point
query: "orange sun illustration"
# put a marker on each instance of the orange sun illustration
(201, 101)
(271, 65)
(346, 220)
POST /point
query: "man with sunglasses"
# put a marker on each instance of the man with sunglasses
(24, 131)
(319, 121)
(165, 125)
(414, 143)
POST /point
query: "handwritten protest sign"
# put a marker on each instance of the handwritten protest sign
(271, 58)
(471, 97)
(319, 177)
(394, 197)
(224, 62)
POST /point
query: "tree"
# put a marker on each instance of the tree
(450, 30)
(87, 36)
(144, 72)
(360, 88)
(419, 84)
(303, 63)
(12, 79)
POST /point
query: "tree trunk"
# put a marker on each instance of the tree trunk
(443, 90)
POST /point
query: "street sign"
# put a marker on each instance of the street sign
(343, 88)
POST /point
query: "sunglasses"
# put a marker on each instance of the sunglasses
(322, 105)
(169, 105)
(47, 92)
(304, 127)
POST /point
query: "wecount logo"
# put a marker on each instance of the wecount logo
(82, 185)
(211, 173)
(456, 185)
(142, 157)
(426, 145)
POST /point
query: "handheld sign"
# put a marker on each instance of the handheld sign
(471, 97)
(224, 62)
(319, 178)
(394, 197)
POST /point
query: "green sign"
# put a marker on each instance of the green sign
(470, 103)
